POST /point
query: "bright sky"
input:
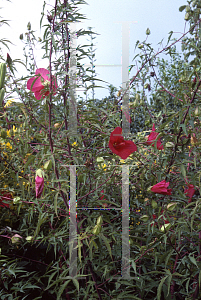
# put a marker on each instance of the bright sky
(105, 17)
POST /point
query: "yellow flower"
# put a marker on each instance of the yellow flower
(74, 144)
(8, 145)
(14, 129)
(9, 102)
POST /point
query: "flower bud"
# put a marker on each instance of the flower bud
(165, 227)
(171, 206)
(48, 165)
(57, 125)
(197, 111)
(154, 204)
(148, 32)
(99, 221)
(16, 200)
(187, 17)
(16, 239)
(21, 36)
(39, 183)
(169, 145)
(97, 229)
(29, 238)
(140, 46)
(29, 26)
(144, 218)
(188, 9)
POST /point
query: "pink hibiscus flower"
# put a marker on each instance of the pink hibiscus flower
(40, 84)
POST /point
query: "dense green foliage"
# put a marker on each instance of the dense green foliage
(165, 232)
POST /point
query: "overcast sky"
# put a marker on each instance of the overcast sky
(106, 17)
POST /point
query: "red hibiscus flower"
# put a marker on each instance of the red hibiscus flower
(190, 191)
(4, 198)
(161, 188)
(39, 184)
(119, 146)
(40, 83)
(152, 137)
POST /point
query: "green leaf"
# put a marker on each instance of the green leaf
(193, 260)
(182, 8)
(200, 279)
(107, 243)
(183, 171)
(134, 266)
(160, 287)
(76, 283)
(62, 288)
(31, 159)
(184, 128)
(55, 203)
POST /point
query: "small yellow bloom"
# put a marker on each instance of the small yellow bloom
(8, 145)
(9, 102)
(75, 144)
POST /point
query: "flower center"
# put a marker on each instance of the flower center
(118, 145)
(46, 83)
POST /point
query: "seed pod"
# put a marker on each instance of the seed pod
(21, 36)
(2, 74)
(2, 92)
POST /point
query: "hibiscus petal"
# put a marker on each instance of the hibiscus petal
(38, 95)
(36, 86)
(44, 73)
